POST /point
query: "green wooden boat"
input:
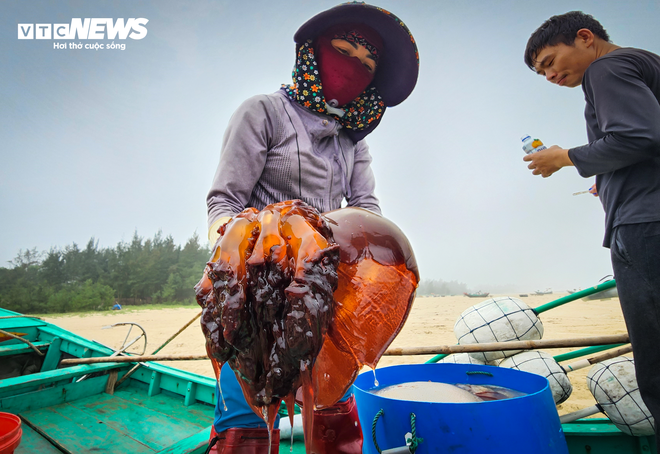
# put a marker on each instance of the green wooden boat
(159, 409)
(479, 294)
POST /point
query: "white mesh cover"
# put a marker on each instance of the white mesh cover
(461, 358)
(541, 363)
(614, 386)
(498, 319)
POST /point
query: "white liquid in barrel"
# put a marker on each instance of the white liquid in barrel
(427, 391)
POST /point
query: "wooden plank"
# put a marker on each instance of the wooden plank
(203, 392)
(52, 396)
(52, 356)
(7, 312)
(73, 344)
(17, 383)
(51, 331)
(151, 428)
(21, 348)
(190, 394)
(15, 323)
(191, 445)
(182, 374)
(112, 379)
(32, 442)
(31, 333)
(169, 404)
(191, 418)
(73, 348)
(154, 385)
(174, 381)
(81, 433)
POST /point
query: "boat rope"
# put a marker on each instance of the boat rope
(6, 333)
(412, 442)
(479, 372)
(373, 429)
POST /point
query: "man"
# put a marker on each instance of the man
(622, 94)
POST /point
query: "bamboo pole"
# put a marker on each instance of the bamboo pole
(20, 316)
(177, 333)
(611, 354)
(131, 359)
(13, 336)
(470, 348)
(586, 362)
(132, 371)
(510, 345)
(556, 303)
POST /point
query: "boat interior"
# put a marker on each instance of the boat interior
(79, 408)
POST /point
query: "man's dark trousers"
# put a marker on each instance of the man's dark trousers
(635, 251)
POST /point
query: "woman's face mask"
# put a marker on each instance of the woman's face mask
(346, 69)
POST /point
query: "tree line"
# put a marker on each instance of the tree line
(70, 279)
(438, 287)
(151, 271)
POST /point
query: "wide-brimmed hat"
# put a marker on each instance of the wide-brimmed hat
(398, 64)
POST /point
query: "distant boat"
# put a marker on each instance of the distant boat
(478, 294)
(605, 294)
(523, 295)
(546, 292)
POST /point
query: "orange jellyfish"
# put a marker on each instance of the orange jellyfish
(293, 299)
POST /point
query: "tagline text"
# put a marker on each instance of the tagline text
(89, 46)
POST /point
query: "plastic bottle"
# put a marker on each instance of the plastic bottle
(532, 145)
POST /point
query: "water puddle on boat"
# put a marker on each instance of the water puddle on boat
(427, 391)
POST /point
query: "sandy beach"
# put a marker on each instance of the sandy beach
(430, 323)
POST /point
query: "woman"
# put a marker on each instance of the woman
(305, 142)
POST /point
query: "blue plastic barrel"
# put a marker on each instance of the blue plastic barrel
(526, 424)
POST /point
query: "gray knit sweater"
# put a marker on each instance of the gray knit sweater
(276, 150)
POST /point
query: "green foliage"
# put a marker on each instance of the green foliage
(86, 297)
(141, 271)
(438, 287)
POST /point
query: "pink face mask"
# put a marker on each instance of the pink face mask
(343, 77)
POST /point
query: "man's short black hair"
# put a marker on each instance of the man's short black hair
(561, 29)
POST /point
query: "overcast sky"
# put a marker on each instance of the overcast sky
(105, 143)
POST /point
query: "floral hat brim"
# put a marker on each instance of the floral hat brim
(398, 64)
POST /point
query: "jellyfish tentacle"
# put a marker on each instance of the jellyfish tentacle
(268, 269)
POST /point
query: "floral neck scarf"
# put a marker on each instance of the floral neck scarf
(307, 91)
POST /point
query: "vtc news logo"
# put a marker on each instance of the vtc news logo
(88, 28)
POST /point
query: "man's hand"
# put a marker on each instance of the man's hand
(547, 162)
(593, 190)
